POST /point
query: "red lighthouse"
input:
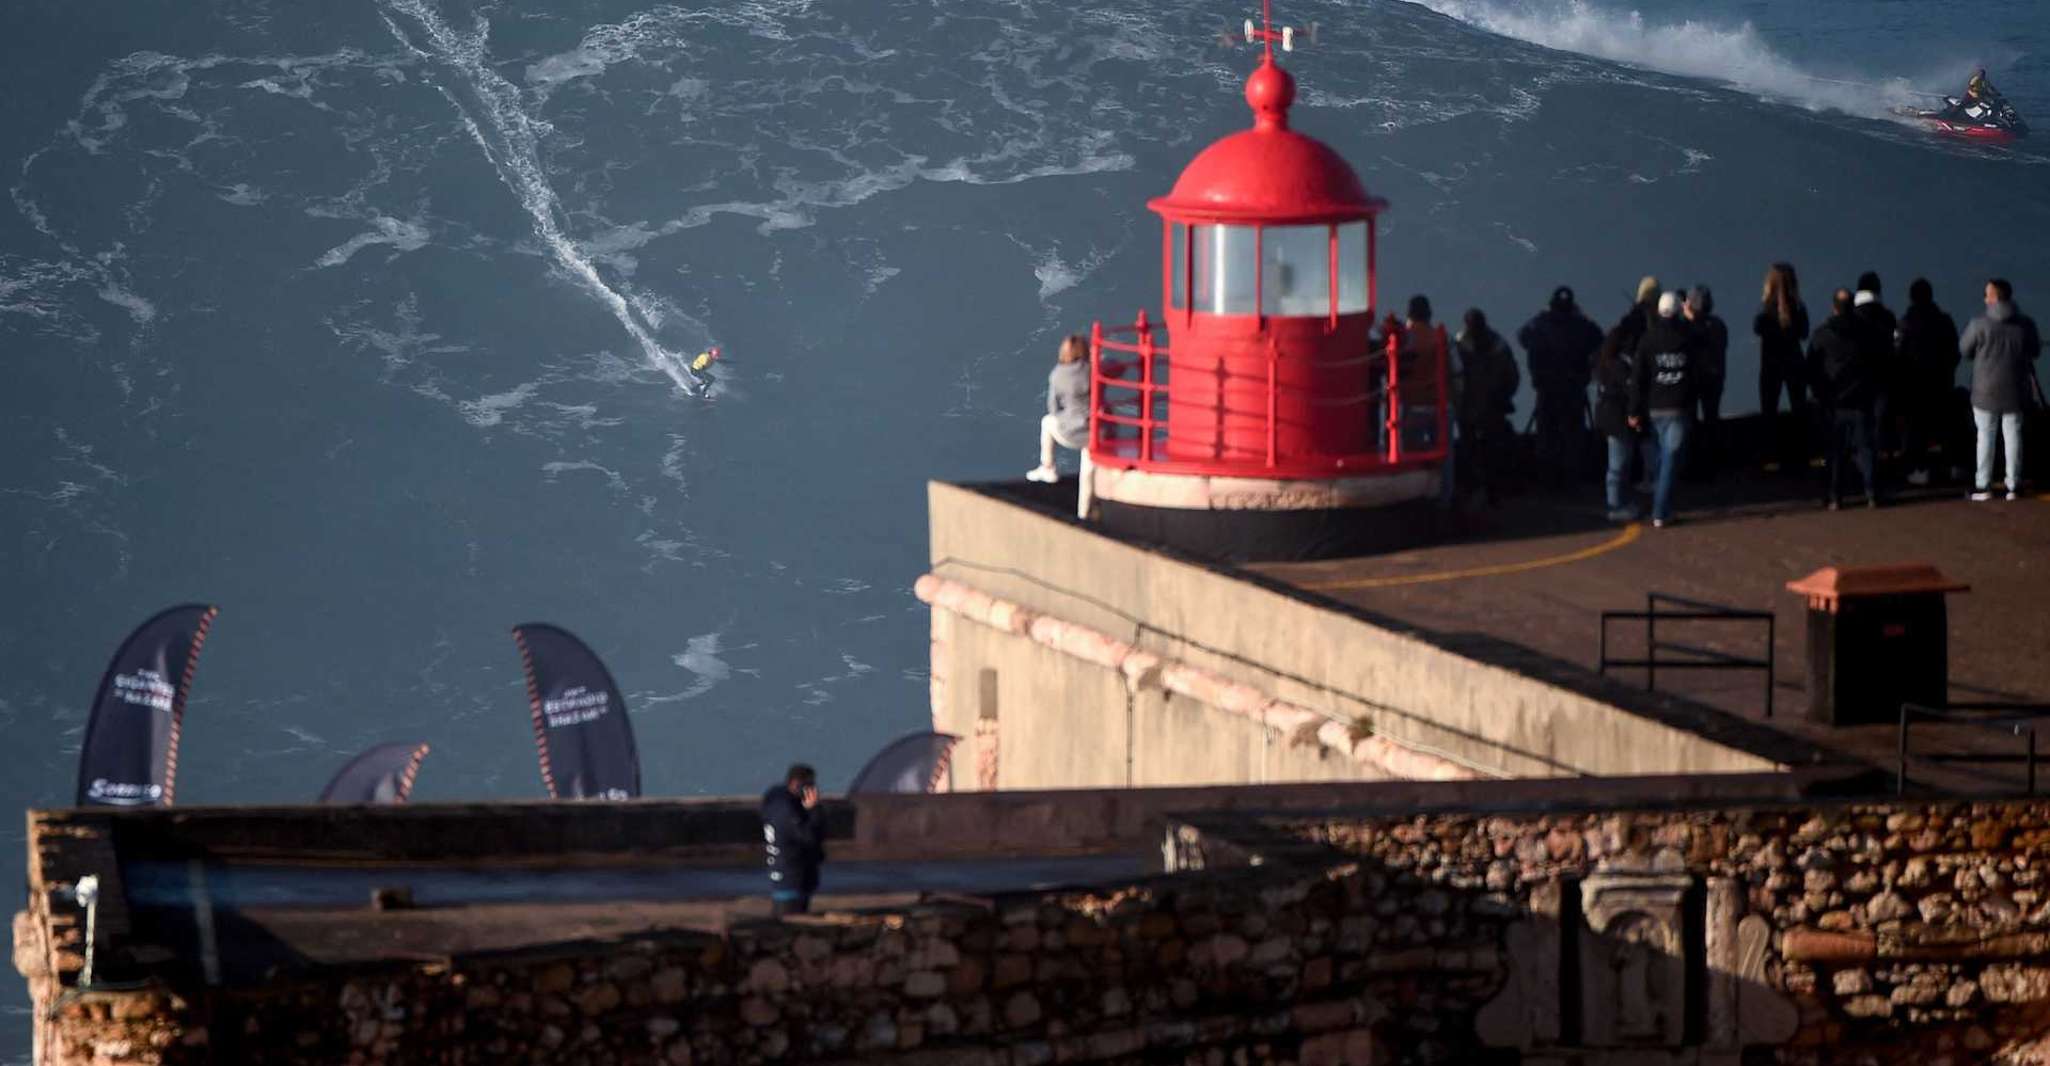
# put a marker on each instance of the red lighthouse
(1276, 425)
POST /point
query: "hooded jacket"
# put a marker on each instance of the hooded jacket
(1488, 379)
(1067, 400)
(1560, 346)
(1662, 378)
(1422, 347)
(2002, 345)
(1841, 364)
(793, 840)
(1622, 338)
(1879, 332)
(1929, 355)
(1712, 344)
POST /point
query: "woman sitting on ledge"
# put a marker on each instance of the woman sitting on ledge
(1067, 408)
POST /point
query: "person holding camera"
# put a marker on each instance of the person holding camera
(793, 835)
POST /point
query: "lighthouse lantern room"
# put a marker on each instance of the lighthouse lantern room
(1276, 425)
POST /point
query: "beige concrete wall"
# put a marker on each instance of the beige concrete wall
(1411, 690)
(1065, 723)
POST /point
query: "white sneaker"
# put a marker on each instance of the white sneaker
(2013, 495)
(1982, 495)
(1045, 475)
(1919, 478)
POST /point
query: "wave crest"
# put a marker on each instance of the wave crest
(1736, 55)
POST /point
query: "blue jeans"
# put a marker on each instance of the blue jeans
(1853, 436)
(1620, 449)
(1671, 432)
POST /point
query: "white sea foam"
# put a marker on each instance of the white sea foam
(399, 233)
(611, 476)
(1055, 276)
(876, 277)
(820, 691)
(138, 308)
(701, 657)
(672, 462)
(491, 410)
(1735, 54)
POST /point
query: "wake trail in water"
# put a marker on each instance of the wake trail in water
(1736, 55)
(510, 138)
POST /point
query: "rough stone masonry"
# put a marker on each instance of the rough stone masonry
(1837, 933)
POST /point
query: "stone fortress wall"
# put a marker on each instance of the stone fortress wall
(1807, 932)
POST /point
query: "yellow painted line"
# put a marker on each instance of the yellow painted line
(1628, 536)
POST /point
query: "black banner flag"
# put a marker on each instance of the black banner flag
(130, 756)
(381, 776)
(914, 763)
(580, 726)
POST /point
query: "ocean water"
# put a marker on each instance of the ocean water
(367, 323)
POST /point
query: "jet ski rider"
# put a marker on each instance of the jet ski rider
(1982, 103)
(1977, 91)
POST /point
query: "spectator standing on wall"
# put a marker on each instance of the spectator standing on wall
(1881, 336)
(1423, 347)
(1623, 336)
(793, 840)
(1782, 326)
(1711, 347)
(2001, 345)
(1842, 364)
(1662, 391)
(1487, 397)
(1929, 360)
(1560, 344)
(1612, 416)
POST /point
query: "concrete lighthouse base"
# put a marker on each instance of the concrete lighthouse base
(1242, 519)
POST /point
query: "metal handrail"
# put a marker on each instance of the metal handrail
(2021, 720)
(1112, 394)
(1704, 658)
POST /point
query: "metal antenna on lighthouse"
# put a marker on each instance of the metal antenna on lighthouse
(1267, 34)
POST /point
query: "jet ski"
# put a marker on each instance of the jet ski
(1992, 121)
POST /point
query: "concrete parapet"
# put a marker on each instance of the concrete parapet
(1272, 667)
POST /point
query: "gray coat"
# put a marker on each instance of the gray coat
(2001, 346)
(1067, 400)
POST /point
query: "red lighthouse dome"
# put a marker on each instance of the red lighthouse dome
(1269, 173)
(1275, 415)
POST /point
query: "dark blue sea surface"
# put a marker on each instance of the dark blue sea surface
(366, 321)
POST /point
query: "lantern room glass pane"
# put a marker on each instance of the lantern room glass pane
(1224, 280)
(1295, 270)
(1352, 268)
(1178, 286)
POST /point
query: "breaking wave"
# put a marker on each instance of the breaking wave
(1736, 55)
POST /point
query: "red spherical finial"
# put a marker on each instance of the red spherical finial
(1269, 91)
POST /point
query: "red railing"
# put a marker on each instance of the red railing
(1128, 424)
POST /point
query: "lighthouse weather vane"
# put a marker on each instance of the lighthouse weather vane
(1267, 34)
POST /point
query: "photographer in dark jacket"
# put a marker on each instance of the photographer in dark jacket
(1881, 336)
(1662, 388)
(1841, 363)
(1712, 348)
(1929, 361)
(793, 838)
(1560, 344)
(1483, 402)
(1612, 406)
